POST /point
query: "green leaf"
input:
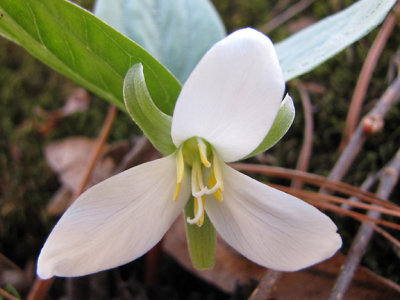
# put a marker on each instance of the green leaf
(281, 125)
(202, 241)
(77, 44)
(176, 32)
(155, 124)
(315, 44)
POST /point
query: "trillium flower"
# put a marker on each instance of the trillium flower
(224, 111)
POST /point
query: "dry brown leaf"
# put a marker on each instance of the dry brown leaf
(315, 283)
(78, 101)
(69, 158)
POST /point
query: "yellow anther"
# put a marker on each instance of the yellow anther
(212, 182)
(218, 195)
(177, 190)
(203, 152)
(198, 188)
(180, 166)
(180, 172)
(217, 171)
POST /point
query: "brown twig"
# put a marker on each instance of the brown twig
(314, 196)
(358, 216)
(286, 15)
(306, 149)
(41, 287)
(314, 199)
(365, 77)
(315, 180)
(265, 286)
(386, 235)
(11, 265)
(371, 123)
(7, 295)
(311, 87)
(366, 186)
(389, 178)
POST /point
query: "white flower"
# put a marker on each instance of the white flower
(224, 111)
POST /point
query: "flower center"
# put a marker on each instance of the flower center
(205, 165)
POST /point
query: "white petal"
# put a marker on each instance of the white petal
(232, 96)
(269, 227)
(115, 221)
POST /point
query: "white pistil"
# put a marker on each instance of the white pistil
(198, 188)
(213, 189)
(199, 213)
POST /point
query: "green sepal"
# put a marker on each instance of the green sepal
(155, 124)
(202, 241)
(281, 125)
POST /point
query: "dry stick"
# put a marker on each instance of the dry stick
(264, 288)
(353, 214)
(313, 196)
(371, 123)
(389, 179)
(316, 201)
(316, 180)
(11, 265)
(365, 77)
(41, 287)
(7, 295)
(306, 149)
(279, 7)
(386, 235)
(366, 185)
(286, 15)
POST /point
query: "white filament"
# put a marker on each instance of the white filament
(199, 212)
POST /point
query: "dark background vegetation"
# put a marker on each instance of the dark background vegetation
(27, 183)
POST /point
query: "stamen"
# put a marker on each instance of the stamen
(217, 171)
(180, 172)
(198, 188)
(213, 182)
(180, 166)
(213, 189)
(218, 195)
(177, 190)
(203, 152)
(199, 212)
(200, 222)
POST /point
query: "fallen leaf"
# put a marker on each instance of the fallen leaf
(70, 158)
